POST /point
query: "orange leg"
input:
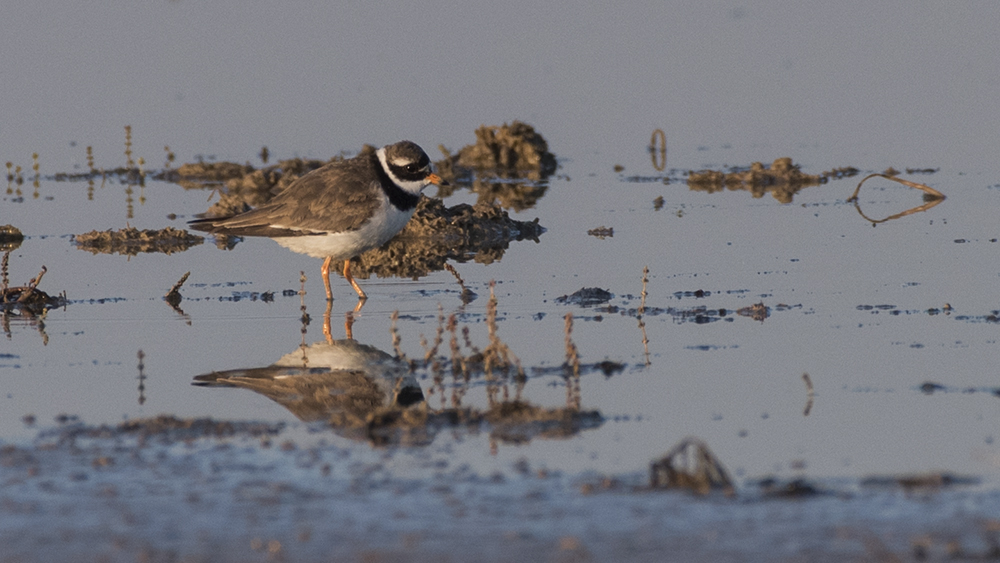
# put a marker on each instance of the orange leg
(349, 319)
(326, 277)
(354, 284)
(326, 323)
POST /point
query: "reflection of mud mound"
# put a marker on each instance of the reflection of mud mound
(131, 241)
(437, 234)
(517, 194)
(518, 422)
(507, 164)
(125, 175)
(10, 237)
(164, 428)
(511, 422)
(206, 172)
(783, 179)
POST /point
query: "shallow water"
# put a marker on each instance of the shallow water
(871, 314)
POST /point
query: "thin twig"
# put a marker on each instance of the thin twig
(809, 394)
(174, 295)
(931, 192)
(932, 197)
(3, 271)
(642, 311)
(30, 288)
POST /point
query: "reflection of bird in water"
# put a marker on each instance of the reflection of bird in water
(327, 380)
(340, 210)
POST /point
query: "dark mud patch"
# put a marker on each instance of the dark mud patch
(586, 297)
(164, 429)
(131, 241)
(10, 237)
(511, 422)
(993, 317)
(774, 488)
(930, 388)
(602, 232)
(920, 482)
(437, 234)
(698, 315)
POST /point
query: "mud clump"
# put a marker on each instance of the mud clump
(690, 465)
(796, 488)
(602, 232)
(586, 297)
(437, 234)
(10, 237)
(131, 241)
(508, 164)
(920, 482)
(507, 148)
(783, 180)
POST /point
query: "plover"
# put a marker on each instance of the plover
(340, 210)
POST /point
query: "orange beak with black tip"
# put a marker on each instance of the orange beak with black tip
(436, 180)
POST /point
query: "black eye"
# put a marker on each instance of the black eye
(411, 168)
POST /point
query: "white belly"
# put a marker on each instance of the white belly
(346, 245)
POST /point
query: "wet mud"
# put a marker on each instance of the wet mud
(156, 489)
(438, 234)
(394, 405)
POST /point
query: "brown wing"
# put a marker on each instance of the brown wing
(333, 198)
